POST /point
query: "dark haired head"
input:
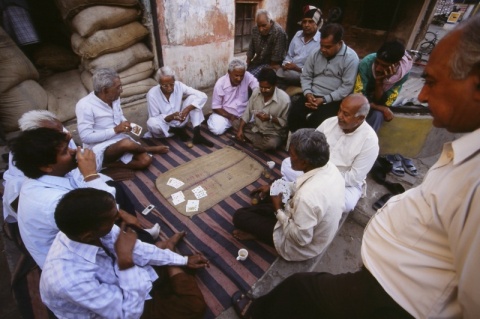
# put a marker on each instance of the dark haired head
(311, 146)
(268, 74)
(83, 210)
(391, 51)
(332, 29)
(36, 148)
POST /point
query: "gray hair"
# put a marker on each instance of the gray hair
(466, 55)
(363, 110)
(311, 146)
(104, 79)
(236, 64)
(164, 71)
(32, 120)
(264, 12)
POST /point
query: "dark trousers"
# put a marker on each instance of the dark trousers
(297, 116)
(323, 295)
(126, 204)
(177, 298)
(258, 220)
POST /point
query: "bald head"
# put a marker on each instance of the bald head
(353, 110)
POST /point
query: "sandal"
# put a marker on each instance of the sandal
(408, 165)
(381, 201)
(397, 168)
(242, 304)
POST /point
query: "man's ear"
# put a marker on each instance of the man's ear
(87, 237)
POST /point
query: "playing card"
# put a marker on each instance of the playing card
(192, 205)
(172, 181)
(198, 189)
(136, 129)
(178, 198)
(283, 187)
(201, 194)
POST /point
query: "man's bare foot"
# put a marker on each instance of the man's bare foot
(171, 242)
(158, 149)
(241, 235)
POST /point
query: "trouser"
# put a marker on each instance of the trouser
(255, 69)
(258, 220)
(126, 204)
(158, 127)
(287, 78)
(177, 298)
(323, 295)
(297, 117)
(375, 119)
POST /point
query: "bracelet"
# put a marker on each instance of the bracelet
(90, 175)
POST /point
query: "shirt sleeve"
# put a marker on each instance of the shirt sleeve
(392, 94)
(280, 46)
(299, 229)
(218, 95)
(348, 80)
(252, 81)
(247, 115)
(306, 79)
(86, 121)
(362, 164)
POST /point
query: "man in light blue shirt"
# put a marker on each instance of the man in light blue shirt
(305, 42)
(98, 270)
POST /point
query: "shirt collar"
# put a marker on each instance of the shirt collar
(63, 182)
(99, 100)
(466, 146)
(87, 252)
(315, 38)
(305, 177)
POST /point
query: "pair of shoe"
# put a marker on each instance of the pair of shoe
(154, 231)
(242, 305)
(401, 164)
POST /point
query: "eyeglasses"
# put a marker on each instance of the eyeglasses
(169, 85)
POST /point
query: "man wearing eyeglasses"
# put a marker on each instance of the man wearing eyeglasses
(168, 113)
(328, 76)
(380, 78)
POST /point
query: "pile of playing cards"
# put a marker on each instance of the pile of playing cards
(284, 187)
(192, 205)
(172, 181)
(178, 198)
(199, 192)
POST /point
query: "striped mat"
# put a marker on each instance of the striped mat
(208, 232)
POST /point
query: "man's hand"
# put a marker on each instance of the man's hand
(197, 261)
(123, 127)
(240, 135)
(292, 66)
(262, 191)
(277, 201)
(385, 73)
(184, 113)
(312, 101)
(387, 114)
(174, 117)
(129, 219)
(86, 162)
(264, 117)
(124, 247)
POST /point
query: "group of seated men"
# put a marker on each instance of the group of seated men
(67, 210)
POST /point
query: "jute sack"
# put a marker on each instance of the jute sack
(54, 57)
(69, 8)
(68, 89)
(122, 60)
(136, 73)
(108, 41)
(24, 97)
(15, 67)
(139, 87)
(95, 18)
(133, 99)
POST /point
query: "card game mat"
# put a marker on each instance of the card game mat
(208, 179)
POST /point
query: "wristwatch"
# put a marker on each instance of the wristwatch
(271, 117)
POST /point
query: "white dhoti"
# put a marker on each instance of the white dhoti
(218, 124)
(158, 127)
(99, 150)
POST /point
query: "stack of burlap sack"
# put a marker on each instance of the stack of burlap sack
(109, 33)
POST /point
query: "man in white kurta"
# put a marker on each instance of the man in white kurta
(168, 113)
(353, 150)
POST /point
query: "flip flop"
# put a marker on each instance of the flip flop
(242, 304)
(381, 201)
(396, 161)
(408, 165)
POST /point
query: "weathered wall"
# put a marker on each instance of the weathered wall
(197, 36)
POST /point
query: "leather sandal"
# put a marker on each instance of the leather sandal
(397, 167)
(381, 201)
(408, 165)
(242, 304)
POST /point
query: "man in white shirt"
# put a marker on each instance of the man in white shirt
(44, 156)
(306, 225)
(353, 147)
(168, 113)
(98, 270)
(102, 126)
(230, 96)
(421, 250)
